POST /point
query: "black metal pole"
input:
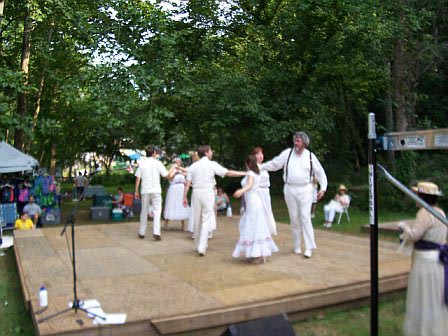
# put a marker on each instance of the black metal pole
(373, 222)
(75, 293)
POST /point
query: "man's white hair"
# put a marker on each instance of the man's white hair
(305, 138)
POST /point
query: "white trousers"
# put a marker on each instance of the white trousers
(330, 210)
(203, 203)
(299, 201)
(153, 203)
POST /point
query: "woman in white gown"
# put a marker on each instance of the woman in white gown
(255, 242)
(174, 209)
(427, 293)
(263, 190)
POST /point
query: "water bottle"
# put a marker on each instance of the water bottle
(43, 297)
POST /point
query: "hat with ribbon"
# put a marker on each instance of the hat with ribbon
(428, 188)
(342, 187)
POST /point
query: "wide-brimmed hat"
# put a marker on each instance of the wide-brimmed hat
(342, 187)
(428, 188)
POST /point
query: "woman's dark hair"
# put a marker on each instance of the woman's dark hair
(256, 150)
(120, 188)
(251, 163)
(430, 199)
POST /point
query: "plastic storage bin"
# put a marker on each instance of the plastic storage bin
(100, 213)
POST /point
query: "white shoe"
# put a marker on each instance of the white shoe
(308, 253)
(312, 215)
(210, 235)
(329, 225)
(298, 251)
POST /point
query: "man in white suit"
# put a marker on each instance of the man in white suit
(148, 174)
(300, 166)
(201, 175)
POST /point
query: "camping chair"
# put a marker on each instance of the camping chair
(8, 216)
(345, 211)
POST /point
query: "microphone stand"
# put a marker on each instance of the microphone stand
(76, 305)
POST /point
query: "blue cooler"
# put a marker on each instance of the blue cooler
(117, 214)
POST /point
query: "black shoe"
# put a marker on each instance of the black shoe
(141, 236)
(157, 237)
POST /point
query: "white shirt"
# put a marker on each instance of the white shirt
(264, 178)
(149, 170)
(202, 173)
(298, 169)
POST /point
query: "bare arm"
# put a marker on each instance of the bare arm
(235, 173)
(187, 187)
(182, 170)
(171, 173)
(246, 188)
(137, 186)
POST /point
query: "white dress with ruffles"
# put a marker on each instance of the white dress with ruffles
(174, 209)
(255, 237)
(266, 200)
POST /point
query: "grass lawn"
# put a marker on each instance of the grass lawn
(15, 320)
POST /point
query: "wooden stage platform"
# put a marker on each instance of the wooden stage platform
(165, 288)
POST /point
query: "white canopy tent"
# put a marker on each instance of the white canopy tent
(13, 161)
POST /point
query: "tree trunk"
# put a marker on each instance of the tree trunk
(53, 159)
(19, 134)
(41, 87)
(398, 74)
(2, 6)
(389, 114)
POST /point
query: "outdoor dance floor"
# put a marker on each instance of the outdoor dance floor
(165, 288)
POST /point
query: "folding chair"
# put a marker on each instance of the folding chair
(345, 211)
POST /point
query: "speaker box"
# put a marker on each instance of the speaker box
(269, 326)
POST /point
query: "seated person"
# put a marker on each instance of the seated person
(221, 201)
(340, 201)
(118, 200)
(23, 222)
(33, 210)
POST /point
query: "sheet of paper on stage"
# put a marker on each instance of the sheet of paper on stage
(7, 242)
(111, 319)
(86, 304)
(94, 312)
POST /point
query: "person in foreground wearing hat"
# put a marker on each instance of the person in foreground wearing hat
(299, 167)
(427, 293)
(340, 201)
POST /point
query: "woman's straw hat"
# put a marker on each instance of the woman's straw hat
(428, 188)
(342, 187)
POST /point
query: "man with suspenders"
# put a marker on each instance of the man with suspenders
(299, 167)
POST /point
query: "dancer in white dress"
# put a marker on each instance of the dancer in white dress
(264, 191)
(427, 294)
(174, 209)
(255, 241)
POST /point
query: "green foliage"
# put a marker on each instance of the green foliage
(109, 74)
(14, 318)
